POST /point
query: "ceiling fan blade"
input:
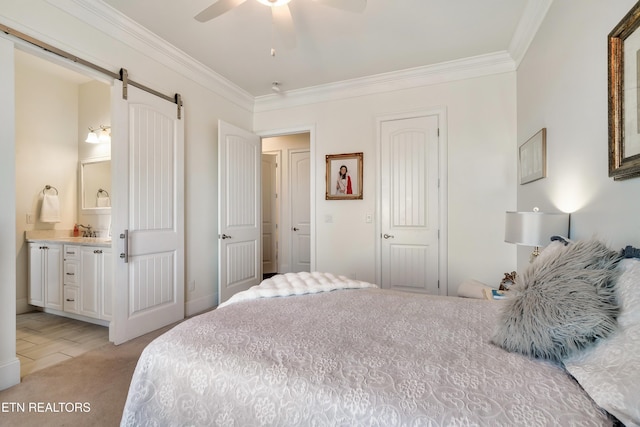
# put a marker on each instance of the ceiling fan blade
(283, 23)
(217, 9)
(348, 5)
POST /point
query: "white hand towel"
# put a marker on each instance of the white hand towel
(103, 202)
(50, 211)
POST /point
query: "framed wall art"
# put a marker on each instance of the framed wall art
(624, 97)
(532, 158)
(344, 176)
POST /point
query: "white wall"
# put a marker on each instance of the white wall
(562, 85)
(481, 153)
(94, 109)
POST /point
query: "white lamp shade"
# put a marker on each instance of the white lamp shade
(92, 138)
(535, 228)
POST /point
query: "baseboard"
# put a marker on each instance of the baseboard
(22, 306)
(10, 373)
(200, 305)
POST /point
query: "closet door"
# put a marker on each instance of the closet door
(148, 213)
(410, 220)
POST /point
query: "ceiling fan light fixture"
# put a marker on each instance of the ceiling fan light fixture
(274, 3)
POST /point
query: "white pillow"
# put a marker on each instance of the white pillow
(472, 288)
(610, 370)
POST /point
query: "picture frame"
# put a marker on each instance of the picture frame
(344, 186)
(624, 97)
(532, 158)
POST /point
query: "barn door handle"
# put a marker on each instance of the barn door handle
(125, 255)
(295, 229)
(224, 236)
(388, 236)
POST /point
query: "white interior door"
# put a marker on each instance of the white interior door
(147, 212)
(410, 204)
(239, 204)
(300, 174)
(269, 213)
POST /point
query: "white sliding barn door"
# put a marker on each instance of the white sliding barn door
(410, 204)
(239, 204)
(148, 213)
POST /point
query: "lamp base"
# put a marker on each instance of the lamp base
(534, 254)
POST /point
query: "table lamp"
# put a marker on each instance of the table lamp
(535, 228)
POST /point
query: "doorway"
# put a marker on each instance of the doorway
(290, 239)
(54, 106)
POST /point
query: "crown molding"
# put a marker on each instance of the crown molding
(498, 62)
(110, 21)
(532, 17)
(477, 66)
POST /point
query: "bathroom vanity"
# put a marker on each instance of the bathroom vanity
(72, 276)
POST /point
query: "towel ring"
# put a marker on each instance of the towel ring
(100, 191)
(49, 187)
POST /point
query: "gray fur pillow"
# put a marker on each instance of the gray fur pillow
(562, 303)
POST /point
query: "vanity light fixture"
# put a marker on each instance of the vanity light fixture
(98, 135)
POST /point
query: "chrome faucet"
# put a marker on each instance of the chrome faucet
(88, 231)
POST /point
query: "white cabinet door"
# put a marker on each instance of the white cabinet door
(36, 275)
(107, 284)
(53, 276)
(45, 275)
(90, 281)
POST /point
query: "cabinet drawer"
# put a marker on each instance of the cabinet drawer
(71, 252)
(71, 272)
(71, 299)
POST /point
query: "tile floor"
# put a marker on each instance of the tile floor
(43, 339)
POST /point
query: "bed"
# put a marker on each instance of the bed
(313, 349)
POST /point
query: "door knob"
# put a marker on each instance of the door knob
(224, 236)
(388, 236)
(295, 229)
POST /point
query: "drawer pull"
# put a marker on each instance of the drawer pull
(70, 300)
(71, 274)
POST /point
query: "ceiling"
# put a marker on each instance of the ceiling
(332, 45)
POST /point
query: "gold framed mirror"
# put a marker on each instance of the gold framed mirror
(624, 97)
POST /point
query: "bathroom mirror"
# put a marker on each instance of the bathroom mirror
(95, 185)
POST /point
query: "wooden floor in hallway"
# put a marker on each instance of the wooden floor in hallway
(43, 339)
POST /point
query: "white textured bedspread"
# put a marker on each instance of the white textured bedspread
(364, 357)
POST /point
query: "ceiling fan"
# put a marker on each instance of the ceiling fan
(281, 15)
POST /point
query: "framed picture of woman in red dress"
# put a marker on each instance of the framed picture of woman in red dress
(344, 176)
